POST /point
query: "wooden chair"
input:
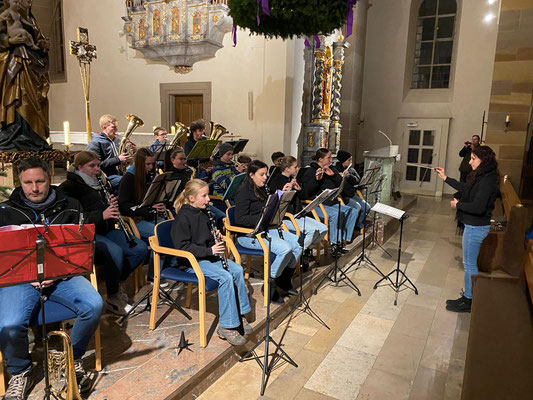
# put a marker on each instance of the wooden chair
(139, 277)
(161, 244)
(56, 312)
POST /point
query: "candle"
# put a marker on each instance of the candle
(153, 128)
(507, 118)
(66, 130)
(173, 129)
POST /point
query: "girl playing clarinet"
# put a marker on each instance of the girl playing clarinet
(191, 231)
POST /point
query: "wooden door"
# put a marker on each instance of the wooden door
(188, 108)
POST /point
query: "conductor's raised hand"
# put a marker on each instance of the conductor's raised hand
(440, 172)
(218, 248)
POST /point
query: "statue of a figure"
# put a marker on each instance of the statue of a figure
(24, 80)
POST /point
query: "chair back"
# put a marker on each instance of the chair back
(163, 234)
(230, 213)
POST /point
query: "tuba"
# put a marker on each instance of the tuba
(181, 130)
(134, 123)
(61, 373)
(217, 131)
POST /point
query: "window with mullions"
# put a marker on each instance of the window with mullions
(434, 44)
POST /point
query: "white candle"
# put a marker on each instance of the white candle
(173, 129)
(66, 130)
(153, 127)
(507, 118)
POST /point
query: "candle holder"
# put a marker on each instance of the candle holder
(67, 148)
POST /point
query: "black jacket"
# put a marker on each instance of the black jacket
(311, 187)
(184, 175)
(476, 201)
(191, 232)
(102, 146)
(126, 199)
(277, 183)
(350, 183)
(248, 206)
(64, 210)
(93, 202)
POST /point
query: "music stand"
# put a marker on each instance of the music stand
(376, 189)
(263, 226)
(238, 145)
(397, 284)
(203, 149)
(59, 252)
(233, 186)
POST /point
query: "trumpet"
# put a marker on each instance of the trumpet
(125, 142)
(129, 237)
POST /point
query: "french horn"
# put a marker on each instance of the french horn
(125, 142)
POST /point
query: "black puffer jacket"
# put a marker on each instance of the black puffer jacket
(126, 198)
(277, 183)
(311, 187)
(93, 202)
(351, 182)
(248, 206)
(184, 175)
(64, 210)
(476, 201)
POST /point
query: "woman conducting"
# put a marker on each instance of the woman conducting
(474, 203)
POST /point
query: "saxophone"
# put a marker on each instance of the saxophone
(124, 147)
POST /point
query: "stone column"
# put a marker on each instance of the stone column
(338, 61)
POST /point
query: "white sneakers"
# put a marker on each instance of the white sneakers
(117, 305)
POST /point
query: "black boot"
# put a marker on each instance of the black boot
(275, 297)
(456, 301)
(461, 305)
(284, 281)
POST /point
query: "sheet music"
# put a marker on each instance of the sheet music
(388, 210)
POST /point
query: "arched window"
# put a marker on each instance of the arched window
(435, 30)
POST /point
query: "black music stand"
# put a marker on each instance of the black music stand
(62, 268)
(376, 189)
(270, 210)
(398, 283)
(233, 186)
(238, 145)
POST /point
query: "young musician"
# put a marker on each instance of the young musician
(223, 169)
(197, 129)
(192, 231)
(131, 192)
(474, 204)
(349, 192)
(249, 203)
(285, 181)
(179, 168)
(242, 163)
(33, 200)
(319, 176)
(119, 259)
(106, 145)
(276, 159)
(160, 145)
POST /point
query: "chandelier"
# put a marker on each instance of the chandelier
(178, 32)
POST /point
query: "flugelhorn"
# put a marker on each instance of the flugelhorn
(134, 123)
(61, 373)
(217, 131)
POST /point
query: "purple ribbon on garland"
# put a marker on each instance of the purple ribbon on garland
(264, 7)
(234, 35)
(349, 16)
(317, 41)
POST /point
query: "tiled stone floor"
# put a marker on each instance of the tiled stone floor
(375, 350)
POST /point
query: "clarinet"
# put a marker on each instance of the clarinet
(213, 229)
(129, 237)
(280, 231)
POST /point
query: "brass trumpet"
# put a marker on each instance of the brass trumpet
(125, 142)
(61, 373)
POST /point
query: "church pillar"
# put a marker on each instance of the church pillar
(335, 127)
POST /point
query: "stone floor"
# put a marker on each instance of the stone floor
(374, 349)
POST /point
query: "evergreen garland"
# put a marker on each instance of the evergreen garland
(289, 18)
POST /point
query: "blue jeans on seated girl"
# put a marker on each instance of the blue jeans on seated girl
(362, 207)
(18, 303)
(315, 230)
(227, 298)
(119, 259)
(472, 238)
(347, 220)
(284, 252)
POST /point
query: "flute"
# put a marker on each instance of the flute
(213, 228)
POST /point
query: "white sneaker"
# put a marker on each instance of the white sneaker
(117, 306)
(163, 283)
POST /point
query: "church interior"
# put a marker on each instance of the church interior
(407, 94)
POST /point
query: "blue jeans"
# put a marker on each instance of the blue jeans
(119, 259)
(146, 229)
(472, 238)
(362, 207)
(284, 252)
(18, 303)
(227, 301)
(347, 220)
(315, 230)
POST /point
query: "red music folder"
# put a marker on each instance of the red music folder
(68, 252)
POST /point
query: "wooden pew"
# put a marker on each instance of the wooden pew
(499, 357)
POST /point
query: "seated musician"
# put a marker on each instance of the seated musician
(349, 192)
(106, 145)
(242, 163)
(319, 176)
(179, 168)
(131, 192)
(249, 203)
(192, 231)
(276, 159)
(315, 231)
(197, 129)
(223, 169)
(112, 248)
(28, 204)
(159, 146)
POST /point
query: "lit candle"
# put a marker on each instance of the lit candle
(66, 130)
(173, 129)
(153, 128)
(507, 118)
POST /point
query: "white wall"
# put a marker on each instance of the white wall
(123, 82)
(386, 94)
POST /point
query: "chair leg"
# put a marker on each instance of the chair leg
(201, 311)
(136, 283)
(98, 349)
(2, 376)
(155, 291)
(317, 259)
(248, 266)
(189, 295)
(266, 285)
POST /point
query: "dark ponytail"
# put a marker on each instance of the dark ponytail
(320, 153)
